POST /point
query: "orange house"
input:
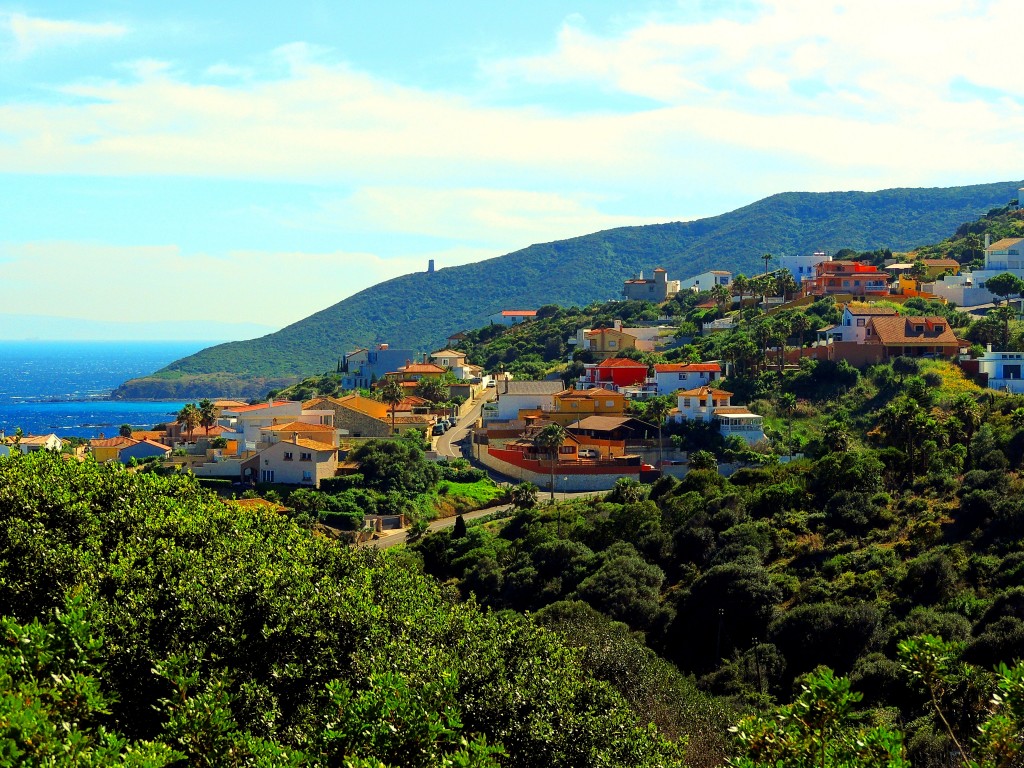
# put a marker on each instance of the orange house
(853, 277)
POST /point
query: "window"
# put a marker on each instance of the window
(703, 374)
(267, 475)
(686, 402)
(860, 322)
(287, 455)
(609, 403)
(306, 476)
(611, 345)
(847, 322)
(940, 328)
(919, 328)
(566, 449)
(871, 331)
(682, 377)
(305, 457)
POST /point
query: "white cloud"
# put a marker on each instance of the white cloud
(151, 283)
(500, 220)
(32, 33)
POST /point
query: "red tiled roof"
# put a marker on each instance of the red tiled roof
(903, 331)
(869, 309)
(298, 426)
(621, 362)
(687, 367)
(422, 368)
(519, 313)
(114, 442)
(716, 394)
(258, 406)
(1006, 242)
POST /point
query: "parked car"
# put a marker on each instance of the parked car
(491, 384)
(439, 429)
(589, 453)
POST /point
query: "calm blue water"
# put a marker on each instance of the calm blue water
(53, 386)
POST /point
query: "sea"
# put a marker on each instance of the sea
(64, 387)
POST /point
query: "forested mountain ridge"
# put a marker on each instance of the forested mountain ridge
(419, 310)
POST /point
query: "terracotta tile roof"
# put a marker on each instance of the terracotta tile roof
(35, 439)
(447, 353)
(313, 445)
(416, 418)
(257, 407)
(144, 434)
(621, 362)
(298, 426)
(1006, 242)
(688, 368)
(519, 313)
(869, 309)
(602, 423)
(421, 368)
(230, 404)
(903, 331)
(716, 394)
(941, 262)
(114, 442)
(592, 393)
(733, 410)
(364, 405)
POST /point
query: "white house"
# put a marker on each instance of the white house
(707, 404)
(705, 281)
(512, 316)
(30, 443)
(669, 377)
(448, 358)
(248, 421)
(1004, 370)
(802, 267)
(514, 396)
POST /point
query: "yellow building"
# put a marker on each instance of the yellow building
(607, 342)
(571, 405)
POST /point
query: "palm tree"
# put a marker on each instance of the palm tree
(207, 415)
(658, 410)
(740, 285)
(799, 325)
(188, 417)
(967, 411)
(785, 284)
(549, 440)
(1017, 418)
(767, 257)
(720, 294)
(391, 394)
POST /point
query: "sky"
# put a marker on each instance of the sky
(196, 170)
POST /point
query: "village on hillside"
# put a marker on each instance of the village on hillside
(629, 401)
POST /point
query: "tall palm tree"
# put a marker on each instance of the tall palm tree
(207, 415)
(549, 440)
(767, 257)
(188, 417)
(786, 284)
(787, 403)
(799, 324)
(740, 285)
(391, 394)
(657, 411)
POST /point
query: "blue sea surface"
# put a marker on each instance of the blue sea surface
(61, 387)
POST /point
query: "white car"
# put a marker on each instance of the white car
(589, 453)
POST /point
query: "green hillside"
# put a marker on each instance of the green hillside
(420, 310)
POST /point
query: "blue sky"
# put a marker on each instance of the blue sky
(244, 165)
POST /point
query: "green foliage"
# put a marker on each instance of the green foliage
(217, 636)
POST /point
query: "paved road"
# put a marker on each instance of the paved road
(446, 443)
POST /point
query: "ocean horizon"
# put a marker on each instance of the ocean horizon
(64, 386)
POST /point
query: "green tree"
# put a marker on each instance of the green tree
(703, 460)
(125, 430)
(657, 411)
(820, 729)
(524, 496)
(188, 418)
(549, 440)
(391, 394)
(1004, 285)
(207, 415)
(720, 294)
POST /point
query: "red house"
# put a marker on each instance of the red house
(614, 373)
